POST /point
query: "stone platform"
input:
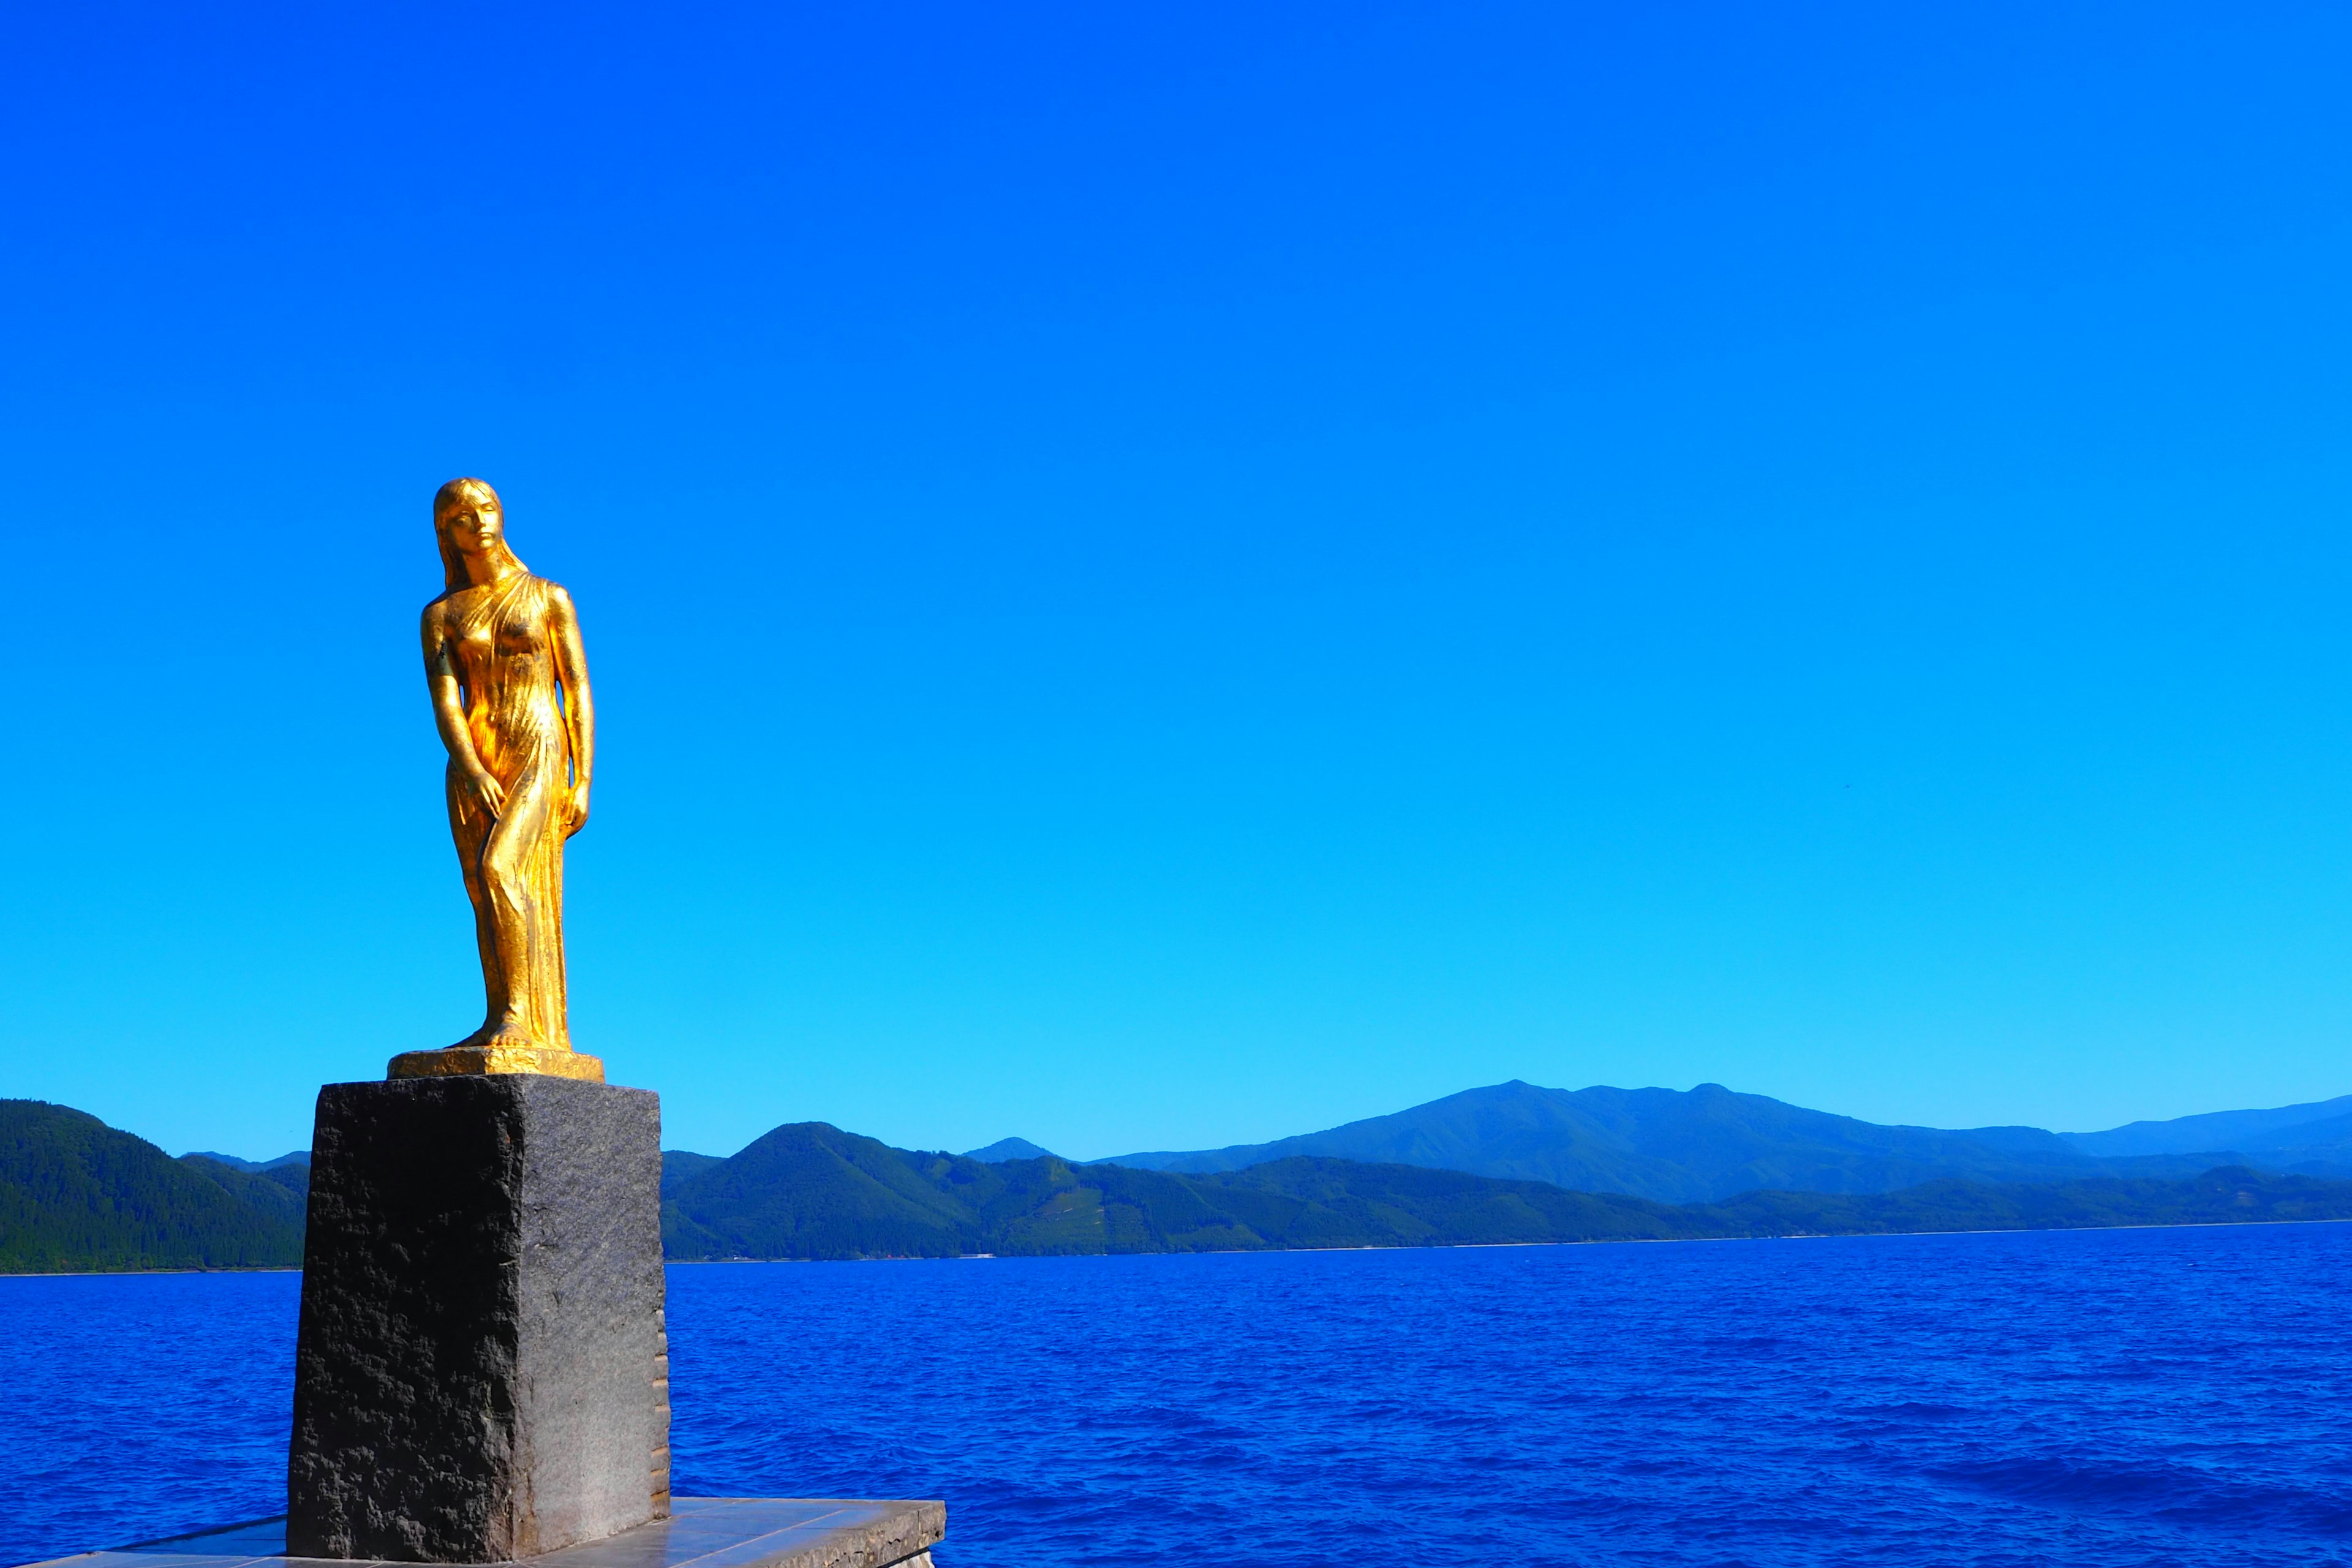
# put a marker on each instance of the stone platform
(701, 1532)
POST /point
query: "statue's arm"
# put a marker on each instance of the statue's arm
(579, 704)
(449, 713)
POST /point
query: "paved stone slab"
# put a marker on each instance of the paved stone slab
(701, 1532)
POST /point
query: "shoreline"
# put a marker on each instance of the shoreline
(1262, 1251)
(1487, 1246)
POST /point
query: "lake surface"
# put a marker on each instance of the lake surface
(2092, 1397)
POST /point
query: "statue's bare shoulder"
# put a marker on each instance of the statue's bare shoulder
(555, 605)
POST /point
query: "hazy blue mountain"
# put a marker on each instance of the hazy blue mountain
(2335, 1133)
(2246, 1130)
(1696, 1147)
(1009, 1149)
(2308, 1148)
(299, 1157)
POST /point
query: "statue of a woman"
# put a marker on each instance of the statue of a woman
(510, 695)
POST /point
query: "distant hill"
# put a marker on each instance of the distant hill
(1697, 1147)
(1009, 1149)
(677, 1164)
(76, 1195)
(2310, 1148)
(281, 1192)
(810, 1190)
(2246, 1130)
(299, 1157)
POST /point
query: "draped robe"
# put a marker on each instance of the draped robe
(500, 639)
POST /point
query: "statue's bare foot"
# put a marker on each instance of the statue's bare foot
(506, 1034)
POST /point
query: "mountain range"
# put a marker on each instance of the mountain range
(1710, 1143)
(1509, 1163)
(809, 1190)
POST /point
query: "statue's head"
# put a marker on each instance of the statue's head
(471, 527)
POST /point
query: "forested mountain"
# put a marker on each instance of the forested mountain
(76, 1194)
(678, 1166)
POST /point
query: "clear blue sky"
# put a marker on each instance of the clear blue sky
(1164, 575)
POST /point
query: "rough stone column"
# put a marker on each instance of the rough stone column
(482, 1372)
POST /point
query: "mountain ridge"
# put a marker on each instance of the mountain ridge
(294, 1157)
(1703, 1145)
(811, 1191)
(2210, 1130)
(76, 1194)
(1844, 1153)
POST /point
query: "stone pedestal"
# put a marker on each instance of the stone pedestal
(482, 1372)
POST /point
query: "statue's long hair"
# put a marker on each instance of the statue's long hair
(445, 500)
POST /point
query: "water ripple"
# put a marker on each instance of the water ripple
(2110, 1399)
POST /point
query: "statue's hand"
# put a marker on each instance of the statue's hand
(577, 812)
(490, 792)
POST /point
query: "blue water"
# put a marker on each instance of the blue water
(2095, 1398)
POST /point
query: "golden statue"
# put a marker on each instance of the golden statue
(510, 695)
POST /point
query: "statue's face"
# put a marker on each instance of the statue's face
(474, 525)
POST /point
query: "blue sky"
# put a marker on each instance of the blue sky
(1166, 575)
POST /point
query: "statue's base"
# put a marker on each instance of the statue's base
(481, 1372)
(476, 1061)
(708, 1532)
